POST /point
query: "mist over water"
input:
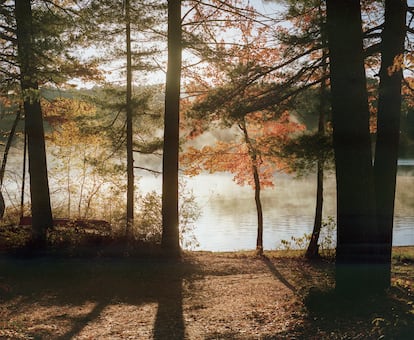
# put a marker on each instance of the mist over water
(228, 221)
(228, 218)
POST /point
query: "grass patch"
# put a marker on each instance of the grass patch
(403, 254)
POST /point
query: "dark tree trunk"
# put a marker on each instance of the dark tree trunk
(8, 145)
(129, 132)
(39, 185)
(259, 209)
(312, 252)
(5, 157)
(257, 189)
(388, 128)
(23, 174)
(170, 232)
(356, 253)
(2, 205)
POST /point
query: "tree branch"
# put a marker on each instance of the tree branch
(149, 170)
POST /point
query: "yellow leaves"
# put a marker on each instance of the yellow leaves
(409, 59)
(6, 101)
(61, 110)
(401, 62)
(62, 115)
(407, 91)
(397, 65)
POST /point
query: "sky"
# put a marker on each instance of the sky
(269, 7)
(116, 77)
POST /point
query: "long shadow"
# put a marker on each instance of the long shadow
(80, 323)
(74, 282)
(387, 316)
(169, 322)
(277, 274)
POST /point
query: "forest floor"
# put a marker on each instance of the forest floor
(203, 296)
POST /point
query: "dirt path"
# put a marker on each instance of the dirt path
(207, 296)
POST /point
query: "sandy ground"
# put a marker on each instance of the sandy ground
(205, 296)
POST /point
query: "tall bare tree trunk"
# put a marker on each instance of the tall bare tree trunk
(170, 231)
(388, 127)
(39, 185)
(312, 251)
(5, 157)
(23, 174)
(356, 255)
(129, 132)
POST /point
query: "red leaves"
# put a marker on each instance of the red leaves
(266, 138)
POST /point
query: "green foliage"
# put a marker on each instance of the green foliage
(110, 117)
(87, 141)
(327, 238)
(149, 220)
(68, 237)
(13, 236)
(403, 255)
(306, 150)
(188, 215)
(295, 242)
(148, 225)
(326, 244)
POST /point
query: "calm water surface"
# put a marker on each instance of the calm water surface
(228, 221)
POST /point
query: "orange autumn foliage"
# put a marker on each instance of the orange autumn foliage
(265, 134)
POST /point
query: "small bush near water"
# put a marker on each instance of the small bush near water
(327, 240)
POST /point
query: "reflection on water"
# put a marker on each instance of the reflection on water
(229, 216)
(228, 220)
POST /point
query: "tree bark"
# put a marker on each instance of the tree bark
(129, 132)
(170, 231)
(388, 128)
(8, 146)
(39, 185)
(23, 174)
(5, 157)
(257, 189)
(312, 252)
(356, 253)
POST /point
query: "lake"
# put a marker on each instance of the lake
(228, 221)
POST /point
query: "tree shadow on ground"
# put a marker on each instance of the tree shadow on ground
(331, 315)
(169, 322)
(278, 275)
(382, 316)
(59, 283)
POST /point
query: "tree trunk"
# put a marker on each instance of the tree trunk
(356, 253)
(39, 185)
(388, 128)
(170, 232)
(129, 132)
(8, 145)
(257, 189)
(312, 252)
(68, 183)
(5, 157)
(23, 174)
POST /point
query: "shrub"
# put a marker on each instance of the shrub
(148, 226)
(327, 240)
